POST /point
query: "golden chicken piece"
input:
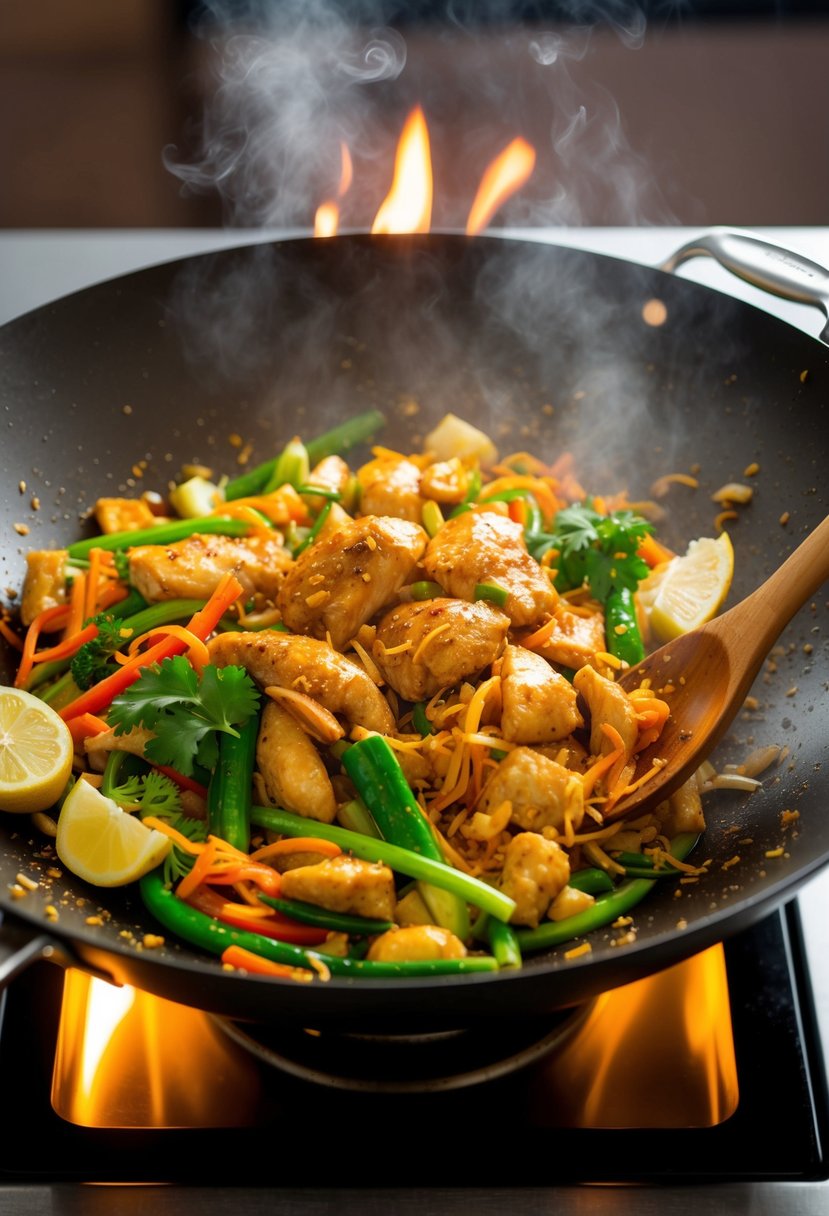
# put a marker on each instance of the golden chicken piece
(416, 943)
(194, 567)
(683, 810)
(446, 481)
(390, 485)
(45, 583)
(538, 704)
(542, 792)
(340, 582)
(308, 666)
(485, 547)
(575, 638)
(448, 641)
(535, 871)
(123, 515)
(344, 884)
(609, 703)
(292, 768)
(332, 473)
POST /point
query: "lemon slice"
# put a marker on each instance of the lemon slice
(103, 844)
(35, 752)
(692, 588)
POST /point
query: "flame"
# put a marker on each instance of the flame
(655, 1053)
(506, 174)
(327, 218)
(125, 1058)
(408, 205)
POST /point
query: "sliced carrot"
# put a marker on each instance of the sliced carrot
(654, 552)
(246, 960)
(297, 844)
(84, 726)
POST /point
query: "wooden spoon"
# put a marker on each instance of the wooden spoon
(711, 669)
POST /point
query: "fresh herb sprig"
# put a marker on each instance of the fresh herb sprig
(184, 712)
(149, 794)
(594, 549)
(93, 661)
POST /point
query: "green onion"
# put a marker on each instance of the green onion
(354, 816)
(419, 720)
(292, 467)
(413, 865)
(315, 530)
(432, 517)
(493, 592)
(160, 534)
(324, 918)
(592, 881)
(503, 942)
(424, 590)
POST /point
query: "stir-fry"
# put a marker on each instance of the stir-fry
(357, 719)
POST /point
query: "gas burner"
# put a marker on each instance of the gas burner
(406, 1063)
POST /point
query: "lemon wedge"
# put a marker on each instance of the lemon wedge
(35, 752)
(690, 589)
(103, 844)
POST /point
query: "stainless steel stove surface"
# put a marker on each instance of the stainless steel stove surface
(482, 1136)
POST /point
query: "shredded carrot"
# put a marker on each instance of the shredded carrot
(71, 644)
(540, 490)
(541, 635)
(246, 960)
(91, 589)
(297, 844)
(196, 651)
(654, 552)
(10, 636)
(429, 636)
(77, 602)
(84, 726)
(49, 616)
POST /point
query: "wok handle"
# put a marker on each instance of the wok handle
(21, 944)
(779, 271)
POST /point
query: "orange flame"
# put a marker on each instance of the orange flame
(327, 218)
(506, 174)
(408, 205)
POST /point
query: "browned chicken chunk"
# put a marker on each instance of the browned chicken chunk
(446, 641)
(340, 582)
(123, 515)
(484, 547)
(539, 704)
(575, 638)
(542, 792)
(45, 583)
(416, 943)
(390, 485)
(194, 567)
(344, 884)
(609, 703)
(292, 768)
(311, 667)
(535, 871)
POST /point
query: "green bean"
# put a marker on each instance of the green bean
(229, 791)
(592, 881)
(419, 720)
(621, 627)
(337, 922)
(379, 780)
(62, 692)
(413, 865)
(604, 911)
(211, 935)
(315, 530)
(503, 942)
(160, 534)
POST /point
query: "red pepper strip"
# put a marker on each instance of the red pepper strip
(282, 928)
(202, 624)
(185, 783)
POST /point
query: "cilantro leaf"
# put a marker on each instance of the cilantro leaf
(184, 710)
(152, 794)
(595, 550)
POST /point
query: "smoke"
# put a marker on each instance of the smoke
(288, 84)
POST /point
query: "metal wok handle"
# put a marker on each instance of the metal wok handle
(21, 945)
(779, 271)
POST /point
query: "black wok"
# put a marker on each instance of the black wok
(545, 347)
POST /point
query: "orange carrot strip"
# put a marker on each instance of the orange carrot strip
(654, 552)
(91, 589)
(195, 847)
(71, 645)
(541, 635)
(84, 726)
(196, 650)
(49, 616)
(246, 960)
(10, 636)
(297, 844)
(77, 601)
(202, 624)
(200, 871)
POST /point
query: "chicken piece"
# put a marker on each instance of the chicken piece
(344, 884)
(193, 568)
(390, 485)
(124, 515)
(340, 582)
(607, 702)
(538, 704)
(575, 639)
(294, 774)
(133, 741)
(683, 810)
(542, 792)
(485, 547)
(445, 481)
(570, 752)
(467, 638)
(535, 871)
(416, 943)
(311, 667)
(45, 583)
(332, 473)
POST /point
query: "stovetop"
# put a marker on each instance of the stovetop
(458, 1152)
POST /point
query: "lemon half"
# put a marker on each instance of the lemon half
(691, 588)
(35, 752)
(103, 844)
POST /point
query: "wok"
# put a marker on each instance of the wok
(115, 387)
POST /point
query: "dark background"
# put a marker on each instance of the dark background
(722, 110)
